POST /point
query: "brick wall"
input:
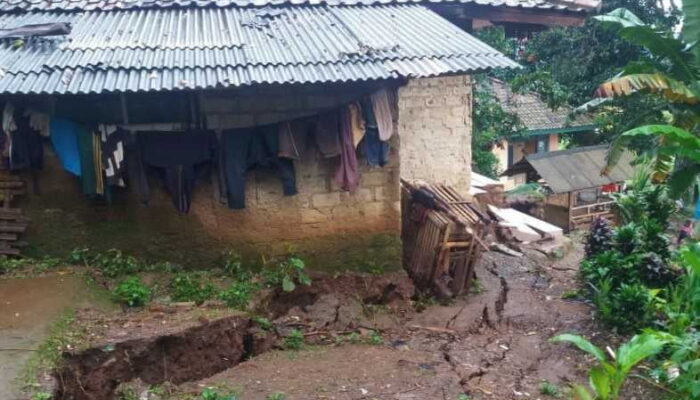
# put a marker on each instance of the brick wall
(435, 130)
(434, 137)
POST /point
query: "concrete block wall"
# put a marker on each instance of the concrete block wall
(435, 130)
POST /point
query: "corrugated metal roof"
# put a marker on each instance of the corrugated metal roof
(106, 5)
(579, 168)
(143, 50)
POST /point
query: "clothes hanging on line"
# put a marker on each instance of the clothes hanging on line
(294, 138)
(381, 105)
(250, 148)
(26, 147)
(357, 123)
(64, 138)
(90, 171)
(8, 118)
(113, 140)
(39, 121)
(326, 134)
(375, 150)
(347, 176)
(177, 154)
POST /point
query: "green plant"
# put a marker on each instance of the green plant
(285, 273)
(114, 263)
(263, 322)
(547, 388)
(606, 379)
(79, 256)
(42, 396)
(211, 393)
(233, 266)
(132, 292)
(294, 340)
(599, 237)
(189, 287)
(463, 396)
(375, 338)
(276, 396)
(683, 366)
(571, 294)
(626, 308)
(626, 239)
(238, 294)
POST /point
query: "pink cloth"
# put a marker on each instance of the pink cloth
(347, 176)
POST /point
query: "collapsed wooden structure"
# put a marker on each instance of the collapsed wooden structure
(442, 237)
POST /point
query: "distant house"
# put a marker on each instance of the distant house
(544, 128)
(577, 192)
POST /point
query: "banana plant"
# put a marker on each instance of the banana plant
(672, 71)
(606, 378)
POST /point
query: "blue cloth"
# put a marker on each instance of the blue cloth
(697, 209)
(376, 151)
(64, 137)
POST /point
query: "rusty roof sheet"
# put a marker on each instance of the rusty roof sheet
(579, 168)
(170, 49)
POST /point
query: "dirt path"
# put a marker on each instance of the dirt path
(27, 309)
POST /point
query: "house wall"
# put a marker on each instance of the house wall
(329, 225)
(435, 130)
(554, 142)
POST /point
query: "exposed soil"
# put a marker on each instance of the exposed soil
(27, 309)
(492, 344)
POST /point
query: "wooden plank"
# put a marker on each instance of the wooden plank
(12, 227)
(8, 236)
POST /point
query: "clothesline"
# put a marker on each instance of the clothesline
(107, 156)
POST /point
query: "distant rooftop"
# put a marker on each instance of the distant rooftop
(535, 114)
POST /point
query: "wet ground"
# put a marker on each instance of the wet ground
(28, 307)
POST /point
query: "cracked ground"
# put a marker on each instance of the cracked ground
(491, 344)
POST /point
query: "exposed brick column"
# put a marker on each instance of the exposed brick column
(435, 124)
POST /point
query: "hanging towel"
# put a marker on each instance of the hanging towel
(27, 150)
(88, 170)
(65, 142)
(357, 124)
(347, 175)
(8, 118)
(39, 122)
(382, 112)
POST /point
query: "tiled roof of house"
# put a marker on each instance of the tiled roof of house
(534, 113)
(203, 48)
(106, 5)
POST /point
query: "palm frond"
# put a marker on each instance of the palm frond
(672, 89)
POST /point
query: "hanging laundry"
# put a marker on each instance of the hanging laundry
(382, 111)
(357, 124)
(26, 149)
(177, 154)
(347, 176)
(8, 118)
(39, 122)
(326, 134)
(90, 172)
(250, 148)
(64, 138)
(294, 137)
(113, 162)
(375, 150)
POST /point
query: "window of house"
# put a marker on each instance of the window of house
(542, 144)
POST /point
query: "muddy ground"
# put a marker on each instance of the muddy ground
(491, 344)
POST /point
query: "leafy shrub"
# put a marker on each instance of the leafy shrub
(189, 287)
(286, 273)
(655, 272)
(599, 237)
(114, 263)
(212, 394)
(233, 266)
(606, 379)
(654, 239)
(682, 370)
(237, 295)
(626, 239)
(276, 396)
(294, 340)
(610, 265)
(132, 292)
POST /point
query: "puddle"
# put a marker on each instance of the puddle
(27, 309)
